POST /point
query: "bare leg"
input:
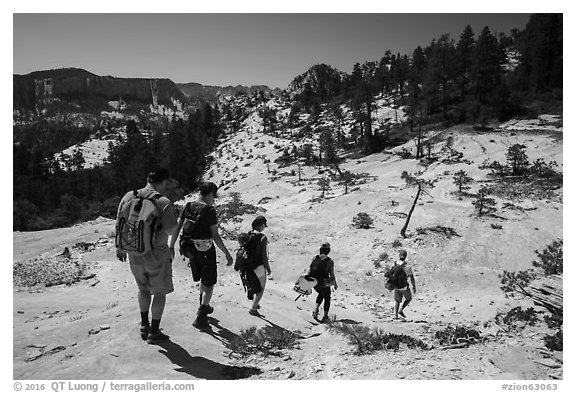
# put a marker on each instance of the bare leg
(258, 296)
(206, 294)
(144, 300)
(158, 306)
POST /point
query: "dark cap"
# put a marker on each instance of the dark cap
(260, 220)
(325, 245)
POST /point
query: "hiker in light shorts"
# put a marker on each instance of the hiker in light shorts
(262, 265)
(404, 290)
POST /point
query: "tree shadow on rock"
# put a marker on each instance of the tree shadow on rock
(202, 368)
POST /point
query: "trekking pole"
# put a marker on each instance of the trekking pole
(298, 297)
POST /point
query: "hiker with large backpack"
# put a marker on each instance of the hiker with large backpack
(322, 269)
(398, 282)
(144, 222)
(252, 262)
(199, 226)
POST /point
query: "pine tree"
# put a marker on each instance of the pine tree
(461, 179)
(483, 203)
(487, 71)
(463, 58)
(423, 186)
(517, 159)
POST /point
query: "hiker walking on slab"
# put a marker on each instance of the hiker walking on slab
(261, 265)
(398, 280)
(145, 220)
(322, 269)
(199, 226)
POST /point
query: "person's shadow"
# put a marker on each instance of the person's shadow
(202, 368)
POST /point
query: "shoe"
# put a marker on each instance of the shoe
(401, 313)
(205, 310)
(144, 331)
(325, 319)
(254, 312)
(158, 337)
(315, 314)
(201, 322)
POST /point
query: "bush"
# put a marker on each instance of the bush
(362, 221)
(514, 283)
(551, 258)
(235, 209)
(405, 153)
(396, 243)
(368, 340)
(452, 335)
(555, 342)
(554, 320)
(267, 340)
(517, 314)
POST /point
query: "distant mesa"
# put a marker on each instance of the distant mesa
(94, 91)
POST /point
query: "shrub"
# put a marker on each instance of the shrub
(551, 258)
(396, 243)
(235, 209)
(368, 340)
(405, 153)
(362, 221)
(517, 314)
(554, 320)
(514, 283)
(555, 342)
(267, 340)
(452, 335)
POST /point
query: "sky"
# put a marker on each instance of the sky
(229, 49)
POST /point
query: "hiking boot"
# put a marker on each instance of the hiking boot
(401, 313)
(205, 310)
(158, 337)
(315, 314)
(325, 319)
(201, 322)
(144, 331)
(254, 312)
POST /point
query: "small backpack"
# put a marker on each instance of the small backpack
(136, 224)
(188, 228)
(190, 223)
(246, 256)
(319, 269)
(397, 277)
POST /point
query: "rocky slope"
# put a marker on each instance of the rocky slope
(89, 329)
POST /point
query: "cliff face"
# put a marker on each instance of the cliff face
(68, 84)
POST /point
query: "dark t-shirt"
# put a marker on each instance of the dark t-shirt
(206, 216)
(262, 249)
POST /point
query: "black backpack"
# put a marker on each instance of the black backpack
(188, 228)
(247, 257)
(397, 277)
(319, 269)
(190, 223)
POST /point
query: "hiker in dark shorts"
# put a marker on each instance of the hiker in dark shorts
(153, 270)
(403, 292)
(262, 266)
(322, 269)
(202, 252)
